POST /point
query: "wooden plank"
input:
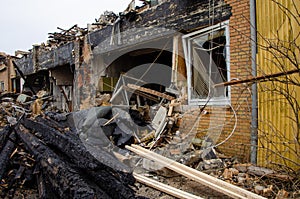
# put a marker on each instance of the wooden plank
(6, 153)
(178, 61)
(164, 188)
(145, 95)
(171, 107)
(150, 91)
(205, 179)
(259, 78)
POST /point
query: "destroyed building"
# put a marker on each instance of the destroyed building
(78, 65)
(170, 34)
(175, 76)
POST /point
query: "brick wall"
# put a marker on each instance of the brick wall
(240, 68)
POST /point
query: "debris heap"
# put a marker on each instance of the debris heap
(46, 155)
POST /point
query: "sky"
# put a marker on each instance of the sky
(24, 23)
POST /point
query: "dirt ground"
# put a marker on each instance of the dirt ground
(181, 183)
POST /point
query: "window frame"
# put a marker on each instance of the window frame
(187, 39)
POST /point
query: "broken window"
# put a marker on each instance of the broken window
(207, 60)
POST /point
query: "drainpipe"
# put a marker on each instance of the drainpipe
(254, 122)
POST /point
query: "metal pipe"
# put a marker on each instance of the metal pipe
(254, 122)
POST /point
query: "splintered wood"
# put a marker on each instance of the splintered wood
(150, 91)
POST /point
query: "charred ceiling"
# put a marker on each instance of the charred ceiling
(159, 21)
(129, 28)
(43, 59)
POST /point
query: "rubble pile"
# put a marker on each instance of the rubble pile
(259, 180)
(43, 153)
(162, 134)
(159, 130)
(83, 154)
(64, 36)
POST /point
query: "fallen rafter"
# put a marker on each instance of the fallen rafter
(150, 91)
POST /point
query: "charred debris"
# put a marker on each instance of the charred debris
(45, 154)
(83, 154)
(64, 137)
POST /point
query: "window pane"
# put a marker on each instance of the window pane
(209, 64)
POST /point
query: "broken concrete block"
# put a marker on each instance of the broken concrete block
(259, 189)
(227, 174)
(213, 164)
(22, 98)
(93, 114)
(241, 180)
(259, 171)
(11, 120)
(234, 171)
(242, 167)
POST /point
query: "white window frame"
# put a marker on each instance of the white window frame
(186, 39)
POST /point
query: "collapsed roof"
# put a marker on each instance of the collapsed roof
(178, 15)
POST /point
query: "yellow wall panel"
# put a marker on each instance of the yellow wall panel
(278, 143)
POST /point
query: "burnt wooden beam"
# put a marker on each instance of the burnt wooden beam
(114, 181)
(116, 189)
(59, 127)
(4, 136)
(65, 180)
(75, 151)
(41, 185)
(70, 145)
(51, 123)
(66, 31)
(5, 154)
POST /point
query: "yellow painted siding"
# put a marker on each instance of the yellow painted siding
(278, 143)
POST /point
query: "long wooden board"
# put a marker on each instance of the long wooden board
(205, 179)
(150, 91)
(165, 188)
